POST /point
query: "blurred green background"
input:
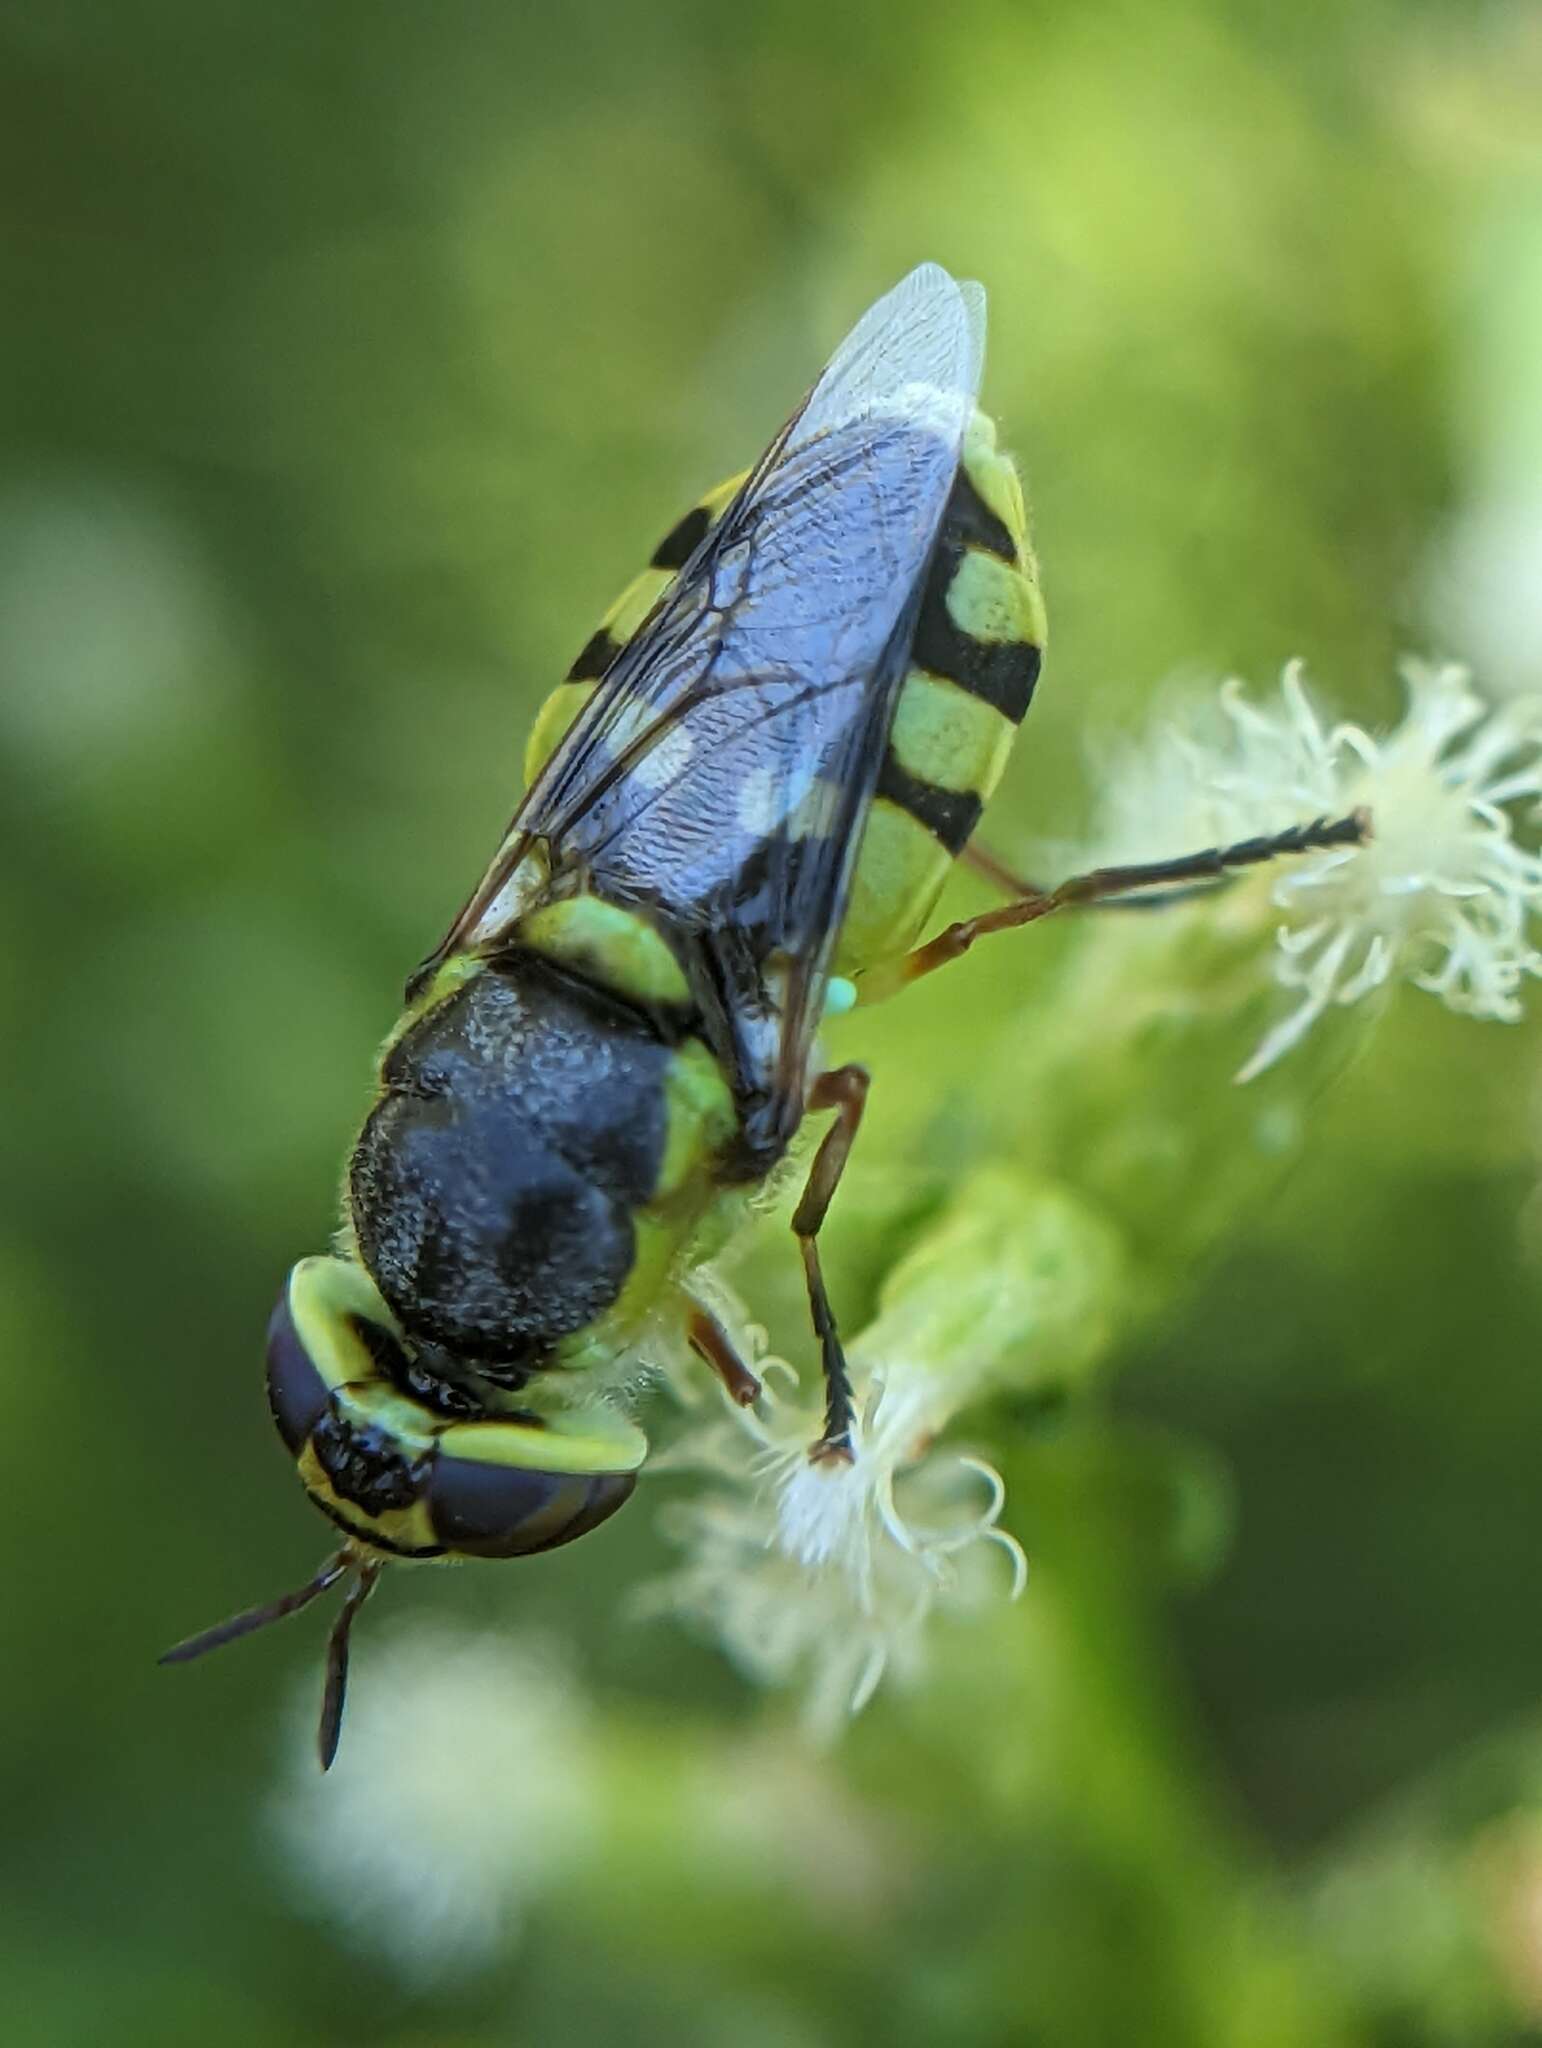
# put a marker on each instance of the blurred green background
(352, 356)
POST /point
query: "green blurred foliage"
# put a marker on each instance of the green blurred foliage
(353, 355)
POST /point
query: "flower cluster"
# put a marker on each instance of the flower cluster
(829, 1575)
(832, 1576)
(1442, 895)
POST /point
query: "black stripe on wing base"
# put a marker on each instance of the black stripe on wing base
(949, 815)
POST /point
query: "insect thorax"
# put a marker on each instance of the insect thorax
(534, 1159)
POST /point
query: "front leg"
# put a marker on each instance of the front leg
(843, 1089)
(712, 1343)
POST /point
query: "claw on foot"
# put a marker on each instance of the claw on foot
(832, 1450)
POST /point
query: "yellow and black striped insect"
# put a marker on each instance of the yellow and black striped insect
(742, 804)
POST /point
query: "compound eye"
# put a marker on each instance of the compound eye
(297, 1394)
(483, 1509)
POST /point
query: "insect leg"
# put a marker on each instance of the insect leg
(1099, 885)
(710, 1341)
(996, 871)
(843, 1089)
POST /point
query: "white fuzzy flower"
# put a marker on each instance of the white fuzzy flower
(1441, 896)
(460, 1795)
(831, 1576)
(828, 1575)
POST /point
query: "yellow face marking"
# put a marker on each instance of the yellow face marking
(593, 1438)
(404, 1529)
(324, 1296)
(376, 1404)
(947, 736)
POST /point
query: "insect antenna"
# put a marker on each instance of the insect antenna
(336, 1687)
(252, 1618)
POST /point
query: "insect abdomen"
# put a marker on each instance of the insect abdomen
(974, 663)
(621, 622)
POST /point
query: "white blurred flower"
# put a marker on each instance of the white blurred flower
(1487, 587)
(1442, 895)
(831, 1576)
(112, 628)
(461, 1793)
(756, 1799)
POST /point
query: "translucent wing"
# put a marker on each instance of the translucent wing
(720, 773)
